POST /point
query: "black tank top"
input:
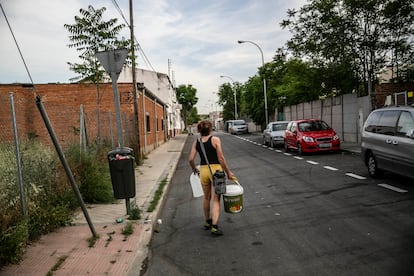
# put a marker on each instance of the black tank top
(210, 152)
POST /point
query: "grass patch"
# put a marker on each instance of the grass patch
(134, 213)
(92, 240)
(157, 195)
(57, 265)
(128, 229)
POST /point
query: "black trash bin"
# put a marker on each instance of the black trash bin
(121, 167)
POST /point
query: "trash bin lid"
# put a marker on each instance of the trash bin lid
(122, 151)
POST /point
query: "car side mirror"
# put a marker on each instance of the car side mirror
(410, 133)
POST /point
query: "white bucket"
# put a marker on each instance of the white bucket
(233, 198)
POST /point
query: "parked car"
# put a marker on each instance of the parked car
(238, 127)
(274, 134)
(311, 135)
(388, 141)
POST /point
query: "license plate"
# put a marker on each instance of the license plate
(325, 145)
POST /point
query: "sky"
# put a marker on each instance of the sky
(197, 38)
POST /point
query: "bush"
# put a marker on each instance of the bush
(50, 201)
(92, 175)
(13, 241)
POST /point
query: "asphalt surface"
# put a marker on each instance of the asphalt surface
(303, 215)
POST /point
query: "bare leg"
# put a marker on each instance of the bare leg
(206, 200)
(216, 207)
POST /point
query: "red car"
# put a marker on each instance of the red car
(311, 135)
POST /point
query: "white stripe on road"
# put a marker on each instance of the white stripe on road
(393, 188)
(298, 157)
(312, 162)
(330, 168)
(276, 150)
(355, 176)
(287, 154)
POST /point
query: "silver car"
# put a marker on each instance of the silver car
(238, 127)
(388, 141)
(274, 133)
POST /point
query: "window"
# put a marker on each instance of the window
(387, 122)
(148, 122)
(405, 123)
(372, 121)
(382, 122)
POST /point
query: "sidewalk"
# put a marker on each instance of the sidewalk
(67, 251)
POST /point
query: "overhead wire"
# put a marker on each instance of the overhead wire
(141, 50)
(18, 47)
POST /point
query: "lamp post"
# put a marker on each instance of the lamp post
(264, 79)
(234, 93)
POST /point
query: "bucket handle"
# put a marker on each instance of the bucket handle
(236, 181)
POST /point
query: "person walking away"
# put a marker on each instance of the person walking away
(215, 156)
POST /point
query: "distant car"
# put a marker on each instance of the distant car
(274, 134)
(387, 141)
(311, 135)
(238, 127)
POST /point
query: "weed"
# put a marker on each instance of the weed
(92, 240)
(128, 229)
(57, 265)
(134, 213)
(157, 195)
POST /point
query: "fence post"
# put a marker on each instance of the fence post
(18, 159)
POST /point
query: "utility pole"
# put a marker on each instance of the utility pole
(134, 83)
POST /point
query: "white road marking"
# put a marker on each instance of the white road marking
(355, 176)
(330, 168)
(276, 150)
(393, 188)
(287, 154)
(312, 162)
(298, 157)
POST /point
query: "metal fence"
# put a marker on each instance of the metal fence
(27, 153)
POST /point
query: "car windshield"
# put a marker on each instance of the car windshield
(313, 126)
(276, 127)
(238, 123)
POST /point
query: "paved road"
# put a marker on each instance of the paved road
(311, 215)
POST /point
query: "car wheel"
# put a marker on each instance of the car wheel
(372, 166)
(300, 152)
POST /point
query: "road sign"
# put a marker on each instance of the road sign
(112, 61)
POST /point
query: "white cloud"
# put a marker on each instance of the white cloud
(199, 37)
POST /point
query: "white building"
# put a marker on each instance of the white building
(160, 85)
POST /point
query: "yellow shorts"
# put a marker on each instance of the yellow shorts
(205, 175)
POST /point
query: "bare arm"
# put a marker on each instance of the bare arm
(217, 145)
(192, 156)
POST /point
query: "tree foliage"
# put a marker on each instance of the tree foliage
(90, 34)
(186, 96)
(363, 36)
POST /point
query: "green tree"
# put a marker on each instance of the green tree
(88, 35)
(253, 100)
(193, 116)
(91, 34)
(226, 100)
(186, 96)
(352, 36)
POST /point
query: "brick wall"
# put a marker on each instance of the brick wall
(63, 102)
(385, 89)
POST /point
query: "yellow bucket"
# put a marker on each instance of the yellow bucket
(233, 198)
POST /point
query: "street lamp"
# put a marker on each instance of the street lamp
(234, 93)
(264, 79)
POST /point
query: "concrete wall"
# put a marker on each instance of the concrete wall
(345, 113)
